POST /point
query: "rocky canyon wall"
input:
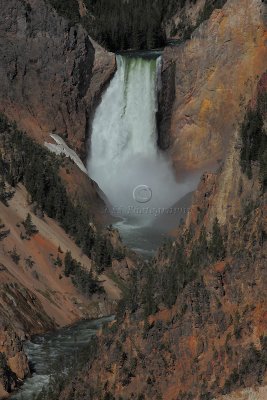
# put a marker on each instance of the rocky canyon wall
(208, 80)
(52, 75)
(213, 341)
(51, 72)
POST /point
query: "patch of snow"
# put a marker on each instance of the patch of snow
(60, 147)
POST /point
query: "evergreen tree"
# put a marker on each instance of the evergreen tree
(254, 141)
(68, 264)
(30, 228)
(29, 263)
(15, 255)
(216, 245)
(149, 292)
(5, 194)
(132, 294)
(81, 278)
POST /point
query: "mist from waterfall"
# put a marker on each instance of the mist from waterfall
(123, 148)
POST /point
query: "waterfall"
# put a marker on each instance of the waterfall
(123, 152)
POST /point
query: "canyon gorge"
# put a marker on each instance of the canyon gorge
(103, 125)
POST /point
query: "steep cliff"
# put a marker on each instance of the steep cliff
(35, 294)
(52, 256)
(193, 323)
(208, 80)
(211, 340)
(183, 17)
(52, 77)
(51, 72)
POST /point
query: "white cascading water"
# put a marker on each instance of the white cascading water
(124, 155)
(123, 148)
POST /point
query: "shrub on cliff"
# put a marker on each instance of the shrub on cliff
(254, 141)
(5, 194)
(30, 228)
(102, 253)
(216, 245)
(4, 233)
(81, 278)
(15, 255)
(68, 9)
(252, 367)
(156, 285)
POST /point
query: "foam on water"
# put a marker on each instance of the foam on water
(46, 351)
(123, 151)
(123, 147)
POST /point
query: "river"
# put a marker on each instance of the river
(45, 351)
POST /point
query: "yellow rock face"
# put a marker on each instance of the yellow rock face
(216, 73)
(19, 364)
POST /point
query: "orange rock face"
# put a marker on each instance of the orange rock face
(16, 358)
(37, 297)
(213, 340)
(214, 75)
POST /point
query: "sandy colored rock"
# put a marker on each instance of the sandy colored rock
(39, 298)
(19, 364)
(247, 394)
(214, 75)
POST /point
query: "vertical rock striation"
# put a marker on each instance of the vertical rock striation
(215, 74)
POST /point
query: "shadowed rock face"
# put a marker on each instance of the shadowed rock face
(51, 73)
(166, 100)
(21, 314)
(215, 73)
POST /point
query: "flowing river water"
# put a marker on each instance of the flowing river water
(46, 351)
